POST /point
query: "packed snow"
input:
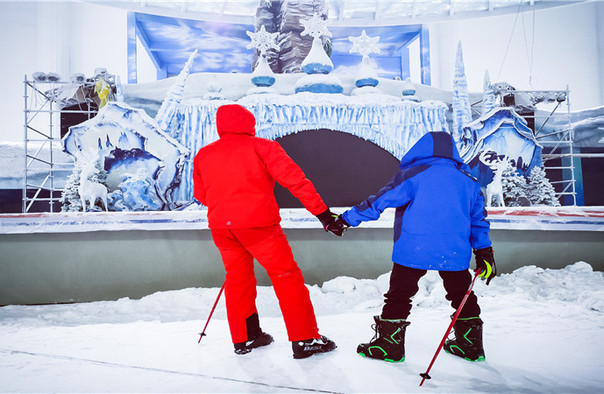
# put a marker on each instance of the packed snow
(542, 333)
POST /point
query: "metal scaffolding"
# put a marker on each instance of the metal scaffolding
(553, 131)
(559, 145)
(45, 102)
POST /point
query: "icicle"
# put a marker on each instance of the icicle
(462, 112)
(488, 97)
(167, 110)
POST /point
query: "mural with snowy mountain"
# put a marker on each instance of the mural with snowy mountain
(144, 163)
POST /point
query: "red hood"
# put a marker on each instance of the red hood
(235, 119)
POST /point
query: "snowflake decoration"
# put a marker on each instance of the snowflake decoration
(364, 44)
(262, 40)
(315, 27)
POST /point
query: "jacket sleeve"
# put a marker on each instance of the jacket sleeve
(480, 227)
(396, 193)
(198, 189)
(289, 175)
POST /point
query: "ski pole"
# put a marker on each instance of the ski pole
(463, 301)
(203, 333)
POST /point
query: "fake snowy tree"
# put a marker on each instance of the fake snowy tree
(514, 187)
(539, 190)
(70, 198)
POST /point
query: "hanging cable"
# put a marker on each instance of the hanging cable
(509, 41)
(532, 52)
(529, 52)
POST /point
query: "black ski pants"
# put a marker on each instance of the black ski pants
(403, 286)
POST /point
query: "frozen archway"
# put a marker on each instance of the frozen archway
(344, 168)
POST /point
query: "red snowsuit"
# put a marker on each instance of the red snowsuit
(235, 177)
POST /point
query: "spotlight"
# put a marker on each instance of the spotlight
(561, 97)
(53, 77)
(100, 71)
(78, 78)
(39, 76)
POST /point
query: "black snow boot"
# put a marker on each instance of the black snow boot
(308, 347)
(255, 336)
(468, 340)
(388, 343)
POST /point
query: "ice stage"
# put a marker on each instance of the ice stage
(78, 257)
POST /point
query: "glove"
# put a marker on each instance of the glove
(338, 226)
(330, 223)
(485, 263)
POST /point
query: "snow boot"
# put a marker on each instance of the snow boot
(255, 336)
(388, 343)
(468, 340)
(308, 347)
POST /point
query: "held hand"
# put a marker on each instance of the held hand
(485, 263)
(332, 222)
(338, 226)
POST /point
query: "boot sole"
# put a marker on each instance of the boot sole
(310, 353)
(266, 340)
(382, 359)
(479, 359)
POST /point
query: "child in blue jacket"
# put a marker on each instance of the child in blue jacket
(440, 218)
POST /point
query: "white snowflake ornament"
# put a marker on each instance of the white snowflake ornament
(262, 40)
(364, 44)
(315, 27)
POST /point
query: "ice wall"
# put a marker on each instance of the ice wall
(386, 121)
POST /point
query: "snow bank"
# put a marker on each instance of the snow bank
(577, 284)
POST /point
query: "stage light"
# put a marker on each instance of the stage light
(78, 78)
(100, 71)
(53, 77)
(39, 76)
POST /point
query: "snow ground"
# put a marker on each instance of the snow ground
(543, 334)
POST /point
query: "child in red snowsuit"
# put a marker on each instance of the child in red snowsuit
(235, 177)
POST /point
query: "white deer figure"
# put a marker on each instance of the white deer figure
(89, 190)
(495, 188)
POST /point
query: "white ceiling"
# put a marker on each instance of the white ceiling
(342, 12)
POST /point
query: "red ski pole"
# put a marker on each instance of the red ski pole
(203, 333)
(463, 301)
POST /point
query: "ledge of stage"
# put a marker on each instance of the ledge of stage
(79, 257)
(545, 218)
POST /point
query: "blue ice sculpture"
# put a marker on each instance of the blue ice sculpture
(505, 133)
(126, 140)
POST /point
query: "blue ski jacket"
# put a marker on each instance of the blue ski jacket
(440, 210)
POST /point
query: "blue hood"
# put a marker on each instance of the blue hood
(432, 147)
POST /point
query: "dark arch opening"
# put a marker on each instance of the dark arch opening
(344, 168)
